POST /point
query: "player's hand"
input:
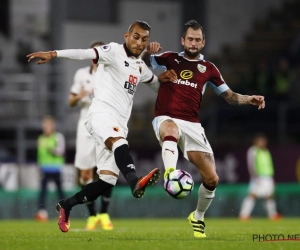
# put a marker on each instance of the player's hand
(167, 76)
(153, 48)
(43, 56)
(258, 100)
(82, 93)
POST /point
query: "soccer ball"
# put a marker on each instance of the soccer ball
(179, 184)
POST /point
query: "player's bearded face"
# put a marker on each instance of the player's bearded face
(137, 40)
(193, 43)
(192, 52)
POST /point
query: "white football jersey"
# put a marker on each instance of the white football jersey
(117, 80)
(84, 78)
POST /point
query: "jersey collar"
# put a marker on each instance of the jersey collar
(201, 57)
(129, 54)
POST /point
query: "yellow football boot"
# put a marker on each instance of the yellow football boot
(168, 170)
(198, 226)
(92, 222)
(105, 221)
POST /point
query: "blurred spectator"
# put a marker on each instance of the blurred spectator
(295, 87)
(261, 79)
(261, 170)
(283, 77)
(50, 154)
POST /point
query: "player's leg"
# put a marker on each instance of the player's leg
(103, 215)
(197, 150)
(119, 147)
(247, 206)
(86, 177)
(205, 164)
(89, 193)
(272, 208)
(42, 214)
(270, 203)
(93, 190)
(57, 180)
(85, 162)
(169, 136)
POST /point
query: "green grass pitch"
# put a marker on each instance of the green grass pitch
(152, 234)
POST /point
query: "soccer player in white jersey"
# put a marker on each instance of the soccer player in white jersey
(176, 117)
(82, 92)
(115, 85)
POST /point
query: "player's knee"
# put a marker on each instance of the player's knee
(84, 180)
(111, 179)
(212, 181)
(86, 175)
(170, 131)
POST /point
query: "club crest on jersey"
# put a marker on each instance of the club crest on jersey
(140, 69)
(201, 68)
(105, 48)
(117, 129)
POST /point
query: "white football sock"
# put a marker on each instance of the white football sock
(205, 197)
(169, 154)
(271, 207)
(247, 206)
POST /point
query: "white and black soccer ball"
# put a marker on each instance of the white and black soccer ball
(179, 184)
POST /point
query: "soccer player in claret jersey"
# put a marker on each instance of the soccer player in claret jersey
(109, 113)
(176, 119)
(85, 158)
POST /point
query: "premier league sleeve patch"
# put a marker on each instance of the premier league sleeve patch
(105, 48)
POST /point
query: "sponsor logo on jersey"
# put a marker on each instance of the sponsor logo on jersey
(177, 61)
(201, 68)
(117, 129)
(140, 69)
(131, 84)
(186, 74)
(105, 48)
(186, 82)
(126, 64)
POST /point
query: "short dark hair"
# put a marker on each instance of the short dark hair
(99, 42)
(194, 25)
(142, 24)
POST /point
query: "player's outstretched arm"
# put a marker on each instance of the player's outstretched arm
(152, 48)
(74, 54)
(237, 99)
(43, 56)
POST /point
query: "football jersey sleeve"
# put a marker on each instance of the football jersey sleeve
(77, 86)
(105, 53)
(160, 60)
(216, 81)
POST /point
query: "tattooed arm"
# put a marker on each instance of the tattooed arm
(233, 98)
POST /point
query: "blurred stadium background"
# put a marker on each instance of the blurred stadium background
(255, 44)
